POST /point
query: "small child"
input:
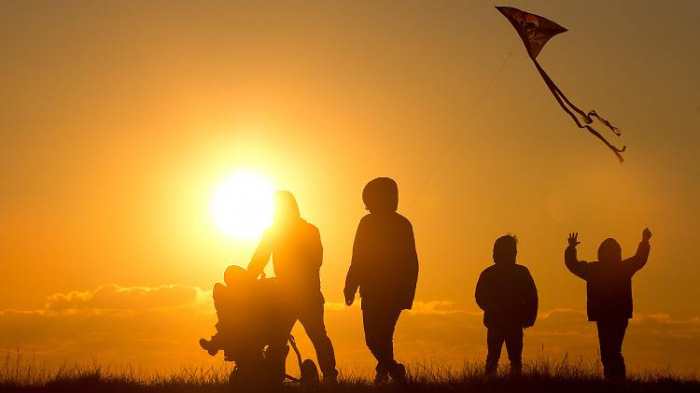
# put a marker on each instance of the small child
(230, 301)
(609, 288)
(508, 295)
(252, 316)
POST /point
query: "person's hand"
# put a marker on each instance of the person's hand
(646, 235)
(573, 239)
(349, 298)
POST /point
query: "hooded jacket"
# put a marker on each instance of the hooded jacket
(384, 261)
(508, 295)
(608, 283)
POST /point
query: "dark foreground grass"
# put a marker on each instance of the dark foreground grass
(539, 377)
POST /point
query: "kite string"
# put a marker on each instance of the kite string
(461, 129)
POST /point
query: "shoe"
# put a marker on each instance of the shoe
(208, 346)
(397, 372)
(381, 377)
(516, 369)
(491, 369)
(330, 381)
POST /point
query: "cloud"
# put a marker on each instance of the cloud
(158, 327)
(113, 299)
(143, 325)
(437, 307)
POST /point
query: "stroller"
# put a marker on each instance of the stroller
(249, 334)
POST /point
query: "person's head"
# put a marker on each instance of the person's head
(381, 195)
(610, 251)
(505, 249)
(286, 208)
(235, 275)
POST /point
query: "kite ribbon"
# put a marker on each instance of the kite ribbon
(586, 117)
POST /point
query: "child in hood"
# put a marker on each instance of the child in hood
(508, 295)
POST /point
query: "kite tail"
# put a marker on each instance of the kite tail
(586, 118)
(612, 128)
(614, 149)
(555, 90)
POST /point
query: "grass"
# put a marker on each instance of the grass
(541, 376)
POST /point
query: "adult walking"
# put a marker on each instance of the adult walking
(297, 255)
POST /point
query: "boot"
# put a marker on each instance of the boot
(398, 373)
(382, 375)
(208, 346)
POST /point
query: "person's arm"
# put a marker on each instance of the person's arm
(531, 300)
(482, 294)
(261, 256)
(640, 258)
(412, 260)
(579, 268)
(314, 251)
(352, 280)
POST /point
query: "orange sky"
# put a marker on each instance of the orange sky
(118, 119)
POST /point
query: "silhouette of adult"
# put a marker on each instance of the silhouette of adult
(385, 268)
(508, 295)
(609, 288)
(297, 255)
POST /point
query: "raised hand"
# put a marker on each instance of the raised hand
(646, 235)
(573, 239)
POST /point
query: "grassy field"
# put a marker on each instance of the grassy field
(18, 374)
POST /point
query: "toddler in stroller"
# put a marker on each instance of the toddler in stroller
(250, 313)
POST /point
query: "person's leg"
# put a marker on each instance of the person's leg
(311, 317)
(606, 348)
(379, 324)
(277, 348)
(514, 346)
(494, 343)
(211, 346)
(397, 371)
(617, 336)
(372, 319)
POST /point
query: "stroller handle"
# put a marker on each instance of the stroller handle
(293, 343)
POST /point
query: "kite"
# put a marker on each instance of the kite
(535, 31)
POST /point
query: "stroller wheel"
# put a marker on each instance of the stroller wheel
(309, 374)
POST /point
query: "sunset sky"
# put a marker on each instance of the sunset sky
(118, 120)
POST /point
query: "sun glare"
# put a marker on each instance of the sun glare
(241, 205)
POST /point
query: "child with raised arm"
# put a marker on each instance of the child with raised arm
(609, 289)
(508, 295)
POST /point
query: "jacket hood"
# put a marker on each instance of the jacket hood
(381, 195)
(505, 249)
(610, 251)
(286, 208)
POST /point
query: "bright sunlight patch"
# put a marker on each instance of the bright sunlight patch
(241, 205)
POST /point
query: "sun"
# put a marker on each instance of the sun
(241, 205)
